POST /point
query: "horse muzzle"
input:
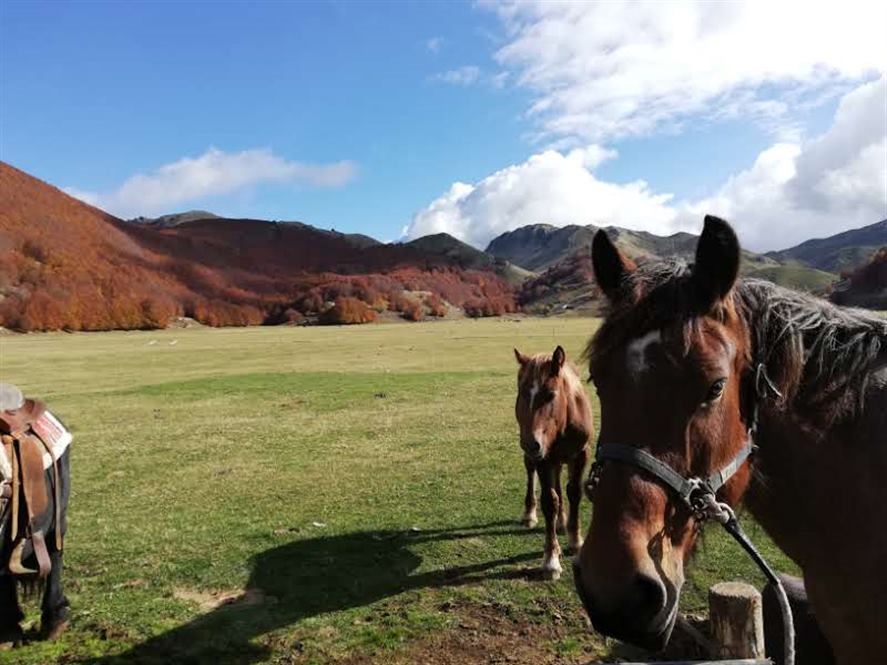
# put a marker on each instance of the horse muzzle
(533, 449)
(644, 615)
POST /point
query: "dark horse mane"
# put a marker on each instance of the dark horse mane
(817, 354)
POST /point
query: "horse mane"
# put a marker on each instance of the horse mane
(814, 350)
(816, 353)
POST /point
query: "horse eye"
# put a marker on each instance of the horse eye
(715, 390)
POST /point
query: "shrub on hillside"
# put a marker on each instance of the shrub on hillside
(347, 311)
(866, 286)
(413, 311)
(435, 305)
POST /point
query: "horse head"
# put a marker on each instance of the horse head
(670, 365)
(542, 400)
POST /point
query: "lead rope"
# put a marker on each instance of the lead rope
(723, 514)
(699, 495)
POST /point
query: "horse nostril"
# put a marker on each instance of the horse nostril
(533, 448)
(649, 595)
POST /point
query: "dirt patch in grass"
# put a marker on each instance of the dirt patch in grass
(210, 600)
(482, 633)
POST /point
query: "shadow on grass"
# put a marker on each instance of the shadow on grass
(306, 578)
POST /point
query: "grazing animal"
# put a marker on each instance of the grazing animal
(555, 421)
(34, 489)
(687, 361)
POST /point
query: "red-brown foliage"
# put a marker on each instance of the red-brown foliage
(348, 311)
(69, 265)
(435, 305)
(413, 311)
(866, 286)
(573, 272)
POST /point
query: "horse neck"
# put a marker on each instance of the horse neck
(812, 486)
(576, 403)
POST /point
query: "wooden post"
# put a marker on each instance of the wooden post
(737, 620)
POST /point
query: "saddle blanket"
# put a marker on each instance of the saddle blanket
(53, 433)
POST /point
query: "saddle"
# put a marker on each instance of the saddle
(25, 490)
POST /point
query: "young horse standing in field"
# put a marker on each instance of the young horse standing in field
(555, 421)
(692, 366)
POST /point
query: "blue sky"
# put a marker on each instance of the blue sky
(362, 116)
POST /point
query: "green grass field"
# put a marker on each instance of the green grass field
(310, 495)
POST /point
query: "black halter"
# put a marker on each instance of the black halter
(692, 491)
(699, 494)
(695, 492)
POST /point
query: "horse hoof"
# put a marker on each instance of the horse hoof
(550, 574)
(11, 638)
(529, 522)
(551, 568)
(575, 546)
(52, 631)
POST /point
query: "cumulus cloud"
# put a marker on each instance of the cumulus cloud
(464, 76)
(834, 182)
(213, 173)
(549, 187)
(793, 191)
(605, 70)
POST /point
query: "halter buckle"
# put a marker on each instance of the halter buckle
(594, 477)
(698, 498)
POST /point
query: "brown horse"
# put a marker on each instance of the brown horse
(555, 421)
(690, 364)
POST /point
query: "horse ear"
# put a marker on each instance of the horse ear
(521, 358)
(557, 360)
(610, 265)
(717, 260)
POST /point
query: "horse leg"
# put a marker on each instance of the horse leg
(574, 494)
(529, 519)
(54, 608)
(551, 561)
(10, 614)
(561, 510)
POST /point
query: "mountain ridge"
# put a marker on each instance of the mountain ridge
(69, 265)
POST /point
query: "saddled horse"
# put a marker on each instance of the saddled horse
(555, 421)
(34, 490)
(692, 365)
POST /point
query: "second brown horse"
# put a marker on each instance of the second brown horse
(555, 420)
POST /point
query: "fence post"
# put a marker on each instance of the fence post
(737, 620)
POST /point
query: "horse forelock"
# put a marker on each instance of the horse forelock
(664, 300)
(538, 370)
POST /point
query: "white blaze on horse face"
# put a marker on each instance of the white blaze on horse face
(533, 392)
(636, 354)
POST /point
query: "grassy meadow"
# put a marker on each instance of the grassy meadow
(309, 495)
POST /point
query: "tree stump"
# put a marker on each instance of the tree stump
(737, 620)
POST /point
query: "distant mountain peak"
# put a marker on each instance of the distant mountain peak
(841, 252)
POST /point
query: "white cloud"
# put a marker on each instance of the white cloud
(792, 192)
(549, 187)
(213, 173)
(434, 44)
(604, 70)
(464, 76)
(798, 191)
